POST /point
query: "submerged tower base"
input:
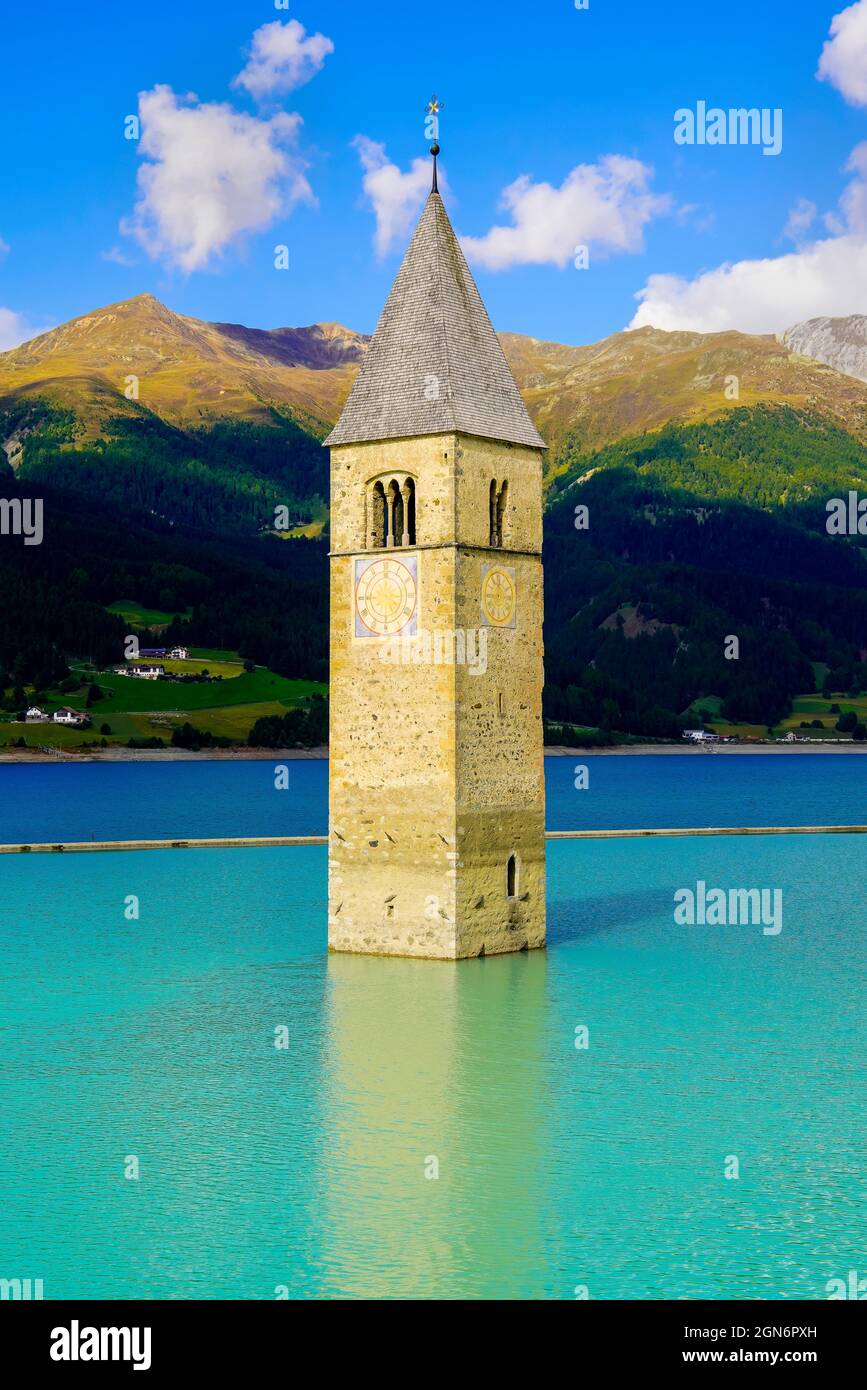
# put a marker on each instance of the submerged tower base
(436, 776)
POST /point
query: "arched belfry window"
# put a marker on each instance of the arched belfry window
(409, 510)
(376, 518)
(497, 512)
(390, 512)
(512, 877)
(394, 498)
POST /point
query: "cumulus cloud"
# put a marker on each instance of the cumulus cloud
(213, 174)
(395, 196)
(603, 206)
(282, 57)
(826, 277)
(843, 61)
(15, 329)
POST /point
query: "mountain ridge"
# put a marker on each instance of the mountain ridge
(707, 506)
(191, 373)
(840, 343)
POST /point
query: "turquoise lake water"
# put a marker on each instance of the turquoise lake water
(305, 1167)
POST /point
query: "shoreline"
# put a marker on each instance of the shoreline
(708, 750)
(178, 755)
(160, 755)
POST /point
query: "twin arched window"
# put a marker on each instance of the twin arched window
(391, 513)
(497, 518)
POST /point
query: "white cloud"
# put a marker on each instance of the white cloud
(396, 197)
(843, 61)
(213, 174)
(14, 330)
(800, 220)
(282, 57)
(603, 206)
(826, 277)
(116, 256)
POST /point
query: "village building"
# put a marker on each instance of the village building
(36, 715)
(141, 672)
(74, 718)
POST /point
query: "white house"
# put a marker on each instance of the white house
(180, 653)
(700, 736)
(36, 715)
(73, 717)
(146, 673)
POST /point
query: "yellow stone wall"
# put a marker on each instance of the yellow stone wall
(436, 774)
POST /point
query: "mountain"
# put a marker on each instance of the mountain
(192, 374)
(839, 343)
(640, 380)
(704, 462)
(189, 373)
(209, 425)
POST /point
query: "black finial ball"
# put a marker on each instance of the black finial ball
(434, 149)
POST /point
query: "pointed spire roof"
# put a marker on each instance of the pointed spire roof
(434, 335)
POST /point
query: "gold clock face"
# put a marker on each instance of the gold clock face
(385, 597)
(498, 597)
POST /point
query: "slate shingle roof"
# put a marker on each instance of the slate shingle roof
(434, 327)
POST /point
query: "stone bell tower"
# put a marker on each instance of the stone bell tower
(436, 778)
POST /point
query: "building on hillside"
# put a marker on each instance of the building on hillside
(75, 718)
(180, 653)
(700, 736)
(436, 772)
(152, 651)
(36, 715)
(145, 672)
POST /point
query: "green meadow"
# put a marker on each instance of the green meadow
(123, 694)
(134, 708)
(139, 617)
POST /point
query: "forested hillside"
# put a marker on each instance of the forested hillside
(639, 604)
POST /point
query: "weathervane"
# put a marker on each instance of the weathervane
(432, 111)
(431, 132)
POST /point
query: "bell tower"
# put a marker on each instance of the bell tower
(436, 776)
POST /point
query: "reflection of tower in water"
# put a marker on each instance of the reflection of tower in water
(434, 1070)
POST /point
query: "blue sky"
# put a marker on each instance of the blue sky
(579, 104)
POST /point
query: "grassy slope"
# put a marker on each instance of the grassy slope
(128, 694)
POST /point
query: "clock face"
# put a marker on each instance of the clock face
(498, 595)
(386, 597)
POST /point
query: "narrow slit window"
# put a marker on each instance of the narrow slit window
(512, 877)
(500, 520)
